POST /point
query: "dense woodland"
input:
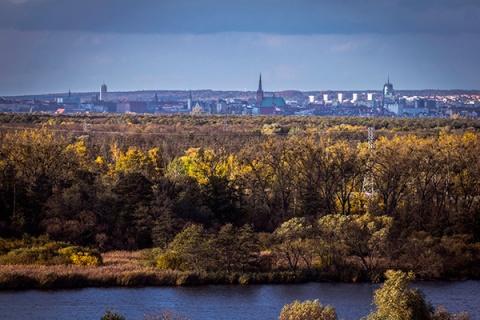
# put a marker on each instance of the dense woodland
(300, 194)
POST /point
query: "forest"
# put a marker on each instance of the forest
(247, 194)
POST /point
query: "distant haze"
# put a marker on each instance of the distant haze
(308, 45)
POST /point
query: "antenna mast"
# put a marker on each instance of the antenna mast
(367, 187)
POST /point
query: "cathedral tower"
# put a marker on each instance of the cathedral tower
(388, 92)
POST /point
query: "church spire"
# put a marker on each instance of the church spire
(260, 91)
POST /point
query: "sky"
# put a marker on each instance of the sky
(53, 46)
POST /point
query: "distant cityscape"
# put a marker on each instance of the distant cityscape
(384, 102)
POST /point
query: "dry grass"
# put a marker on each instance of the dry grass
(120, 268)
(124, 259)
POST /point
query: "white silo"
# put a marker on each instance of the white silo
(340, 97)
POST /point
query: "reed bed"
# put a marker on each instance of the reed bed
(122, 268)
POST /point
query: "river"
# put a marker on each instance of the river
(232, 302)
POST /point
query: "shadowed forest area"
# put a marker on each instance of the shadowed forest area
(304, 195)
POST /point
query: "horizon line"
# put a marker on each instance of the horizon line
(229, 90)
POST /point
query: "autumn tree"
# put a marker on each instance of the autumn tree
(314, 178)
(421, 254)
(392, 172)
(348, 166)
(307, 310)
(362, 236)
(462, 155)
(165, 222)
(73, 214)
(293, 239)
(214, 174)
(329, 175)
(329, 247)
(235, 249)
(425, 207)
(36, 164)
(396, 300)
(134, 196)
(193, 246)
(271, 178)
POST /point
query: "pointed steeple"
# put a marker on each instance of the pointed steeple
(156, 97)
(260, 91)
(69, 93)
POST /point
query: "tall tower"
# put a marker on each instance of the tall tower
(388, 90)
(189, 101)
(259, 91)
(103, 92)
(368, 187)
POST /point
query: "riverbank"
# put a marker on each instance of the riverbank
(127, 269)
(121, 268)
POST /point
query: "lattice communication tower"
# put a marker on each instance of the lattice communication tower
(368, 188)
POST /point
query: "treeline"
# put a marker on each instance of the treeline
(305, 201)
(238, 123)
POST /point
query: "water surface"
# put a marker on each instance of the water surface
(232, 302)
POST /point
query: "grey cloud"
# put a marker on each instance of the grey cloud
(39, 61)
(265, 16)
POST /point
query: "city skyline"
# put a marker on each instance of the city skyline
(54, 45)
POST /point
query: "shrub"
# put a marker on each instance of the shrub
(5, 246)
(149, 256)
(172, 260)
(81, 256)
(85, 259)
(442, 314)
(48, 253)
(307, 310)
(167, 314)
(395, 300)
(30, 250)
(36, 255)
(109, 315)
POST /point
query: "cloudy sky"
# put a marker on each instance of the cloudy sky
(51, 46)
